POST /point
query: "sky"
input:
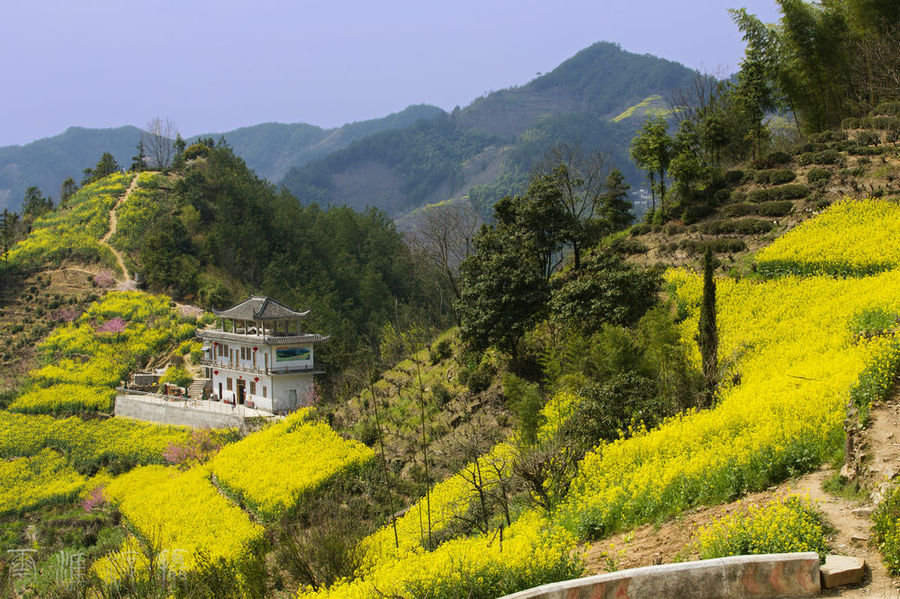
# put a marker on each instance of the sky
(214, 65)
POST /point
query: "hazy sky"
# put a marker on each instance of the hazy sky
(214, 65)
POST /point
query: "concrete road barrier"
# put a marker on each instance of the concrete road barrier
(744, 576)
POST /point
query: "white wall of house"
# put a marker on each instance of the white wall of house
(290, 390)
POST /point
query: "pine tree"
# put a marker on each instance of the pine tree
(708, 335)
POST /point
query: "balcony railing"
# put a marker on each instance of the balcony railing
(285, 369)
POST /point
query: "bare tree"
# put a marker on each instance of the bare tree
(875, 72)
(443, 236)
(581, 180)
(158, 141)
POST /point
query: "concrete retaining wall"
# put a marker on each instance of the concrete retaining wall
(131, 406)
(772, 575)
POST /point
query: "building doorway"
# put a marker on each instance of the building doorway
(241, 383)
(220, 392)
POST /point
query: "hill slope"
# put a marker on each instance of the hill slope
(506, 134)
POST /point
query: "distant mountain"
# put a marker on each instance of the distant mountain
(601, 80)
(270, 149)
(47, 162)
(597, 99)
(421, 155)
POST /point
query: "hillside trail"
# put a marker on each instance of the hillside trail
(127, 283)
(850, 518)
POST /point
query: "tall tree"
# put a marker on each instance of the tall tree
(443, 235)
(503, 289)
(158, 139)
(35, 204)
(139, 160)
(615, 209)
(66, 190)
(651, 151)
(708, 333)
(579, 177)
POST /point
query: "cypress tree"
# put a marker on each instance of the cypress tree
(708, 335)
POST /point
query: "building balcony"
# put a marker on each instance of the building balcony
(279, 369)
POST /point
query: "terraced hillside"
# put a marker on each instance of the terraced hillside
(772, 195)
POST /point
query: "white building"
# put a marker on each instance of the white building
(259, 356)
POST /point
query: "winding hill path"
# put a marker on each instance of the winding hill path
(127, 282)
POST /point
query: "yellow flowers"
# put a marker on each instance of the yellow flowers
(793, 361)
(788, 525)
(852, 237)
(74, 231)
(287, 459)
(27, 483)
(176, 510)
(113, 336)
(88, 444)
(65, 399)
(533, 552)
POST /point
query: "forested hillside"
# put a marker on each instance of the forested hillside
(489, 148)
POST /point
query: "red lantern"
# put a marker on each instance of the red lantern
(240, 376)
(215, 343)
(215, 372)
(256, 379)
(255, 348)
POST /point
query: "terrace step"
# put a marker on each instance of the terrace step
(196, 387)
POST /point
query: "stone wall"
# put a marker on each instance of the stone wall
(132, 406)
(772, 575)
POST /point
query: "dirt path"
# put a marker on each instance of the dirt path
(127, 282)
(672, 541)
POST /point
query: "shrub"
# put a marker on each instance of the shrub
(788, 526)
(850, 123)
(865, 151)
(524, 399)
(884, 123)
(196, 151)
(747, 226)
(640, 229)
(773, 160)
(480, 378)
(886, 529)
(441, 350)
(441, 394)
(823, 157)
(829, 136)
(817, 175)
(776, 176)
(793, 191)
(775, 209)
(734, 177)
(740, 209)
(888, 108)
(868, 138)
(628, 246)
(718, 246)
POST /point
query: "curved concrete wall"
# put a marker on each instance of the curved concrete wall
(744, 576)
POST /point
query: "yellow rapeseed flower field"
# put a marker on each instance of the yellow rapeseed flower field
(175, 510)
(269, 470)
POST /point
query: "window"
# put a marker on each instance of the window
(252, 388)
(228, 384)
(264, 391)
(243, 353)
